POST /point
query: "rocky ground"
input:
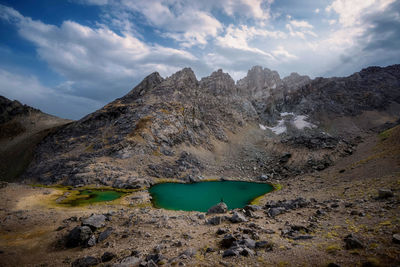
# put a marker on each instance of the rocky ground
(345, 214)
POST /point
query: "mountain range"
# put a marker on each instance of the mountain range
(187, 129)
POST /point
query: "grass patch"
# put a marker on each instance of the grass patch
(332, 249)
(388, 133)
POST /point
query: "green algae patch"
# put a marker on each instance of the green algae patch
(84, 197)
(202, 195)
(76, 197)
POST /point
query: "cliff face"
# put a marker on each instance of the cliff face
(182, 128)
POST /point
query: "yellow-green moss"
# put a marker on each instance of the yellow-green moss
(332, 249)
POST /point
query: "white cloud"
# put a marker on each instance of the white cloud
(181, 22)
(238, 38)
(351, 11)
(317, 10)
(257, 9)
(282, 53)
(301, 24)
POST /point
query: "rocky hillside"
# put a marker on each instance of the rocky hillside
(21, 128)
(183, 128)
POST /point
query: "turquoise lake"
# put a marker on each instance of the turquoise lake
(201, 196)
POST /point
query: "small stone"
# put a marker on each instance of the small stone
(252, 207)
(264, 244)
(385, 193)
(247, 252)
(396, 238)
(221, 231)
(352, 242)
(190, 252)
(214, 220)
(92, 241)
(129, 261)
(231, 252)
(107, 256)
(155, 258)
(272, 212)
(85, 262)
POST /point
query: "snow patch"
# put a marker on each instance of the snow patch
(298, 121)
(301, 123)
(280, 128)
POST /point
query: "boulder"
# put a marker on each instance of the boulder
(219, 208)
(78, 236)
(238, 217)
(95, 221)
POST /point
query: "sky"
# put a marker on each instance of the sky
(69, 58)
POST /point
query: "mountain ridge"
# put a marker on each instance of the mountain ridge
(182, 128)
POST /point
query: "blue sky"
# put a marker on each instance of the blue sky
(69, 58)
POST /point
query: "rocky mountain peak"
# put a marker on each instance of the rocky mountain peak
(146, 85)
(294, 81)
(184, 77)
(218, 83)
(259, 82)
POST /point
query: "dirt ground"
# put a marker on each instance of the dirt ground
(343, 201)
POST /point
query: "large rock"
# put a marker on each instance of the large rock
(78, 236)
(95, 221)
(219, 208)
(238, 217)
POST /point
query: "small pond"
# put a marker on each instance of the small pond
(91, 196)
(201, 196)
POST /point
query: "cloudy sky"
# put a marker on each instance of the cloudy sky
(69, 58)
